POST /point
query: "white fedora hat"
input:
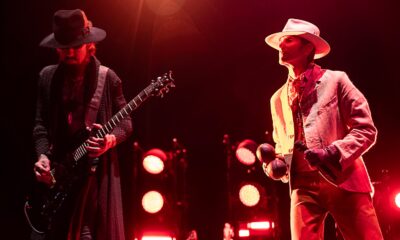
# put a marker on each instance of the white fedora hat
(302, 29)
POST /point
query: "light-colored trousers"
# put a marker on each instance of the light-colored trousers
(312, 198)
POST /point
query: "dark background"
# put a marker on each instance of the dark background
(225, 75)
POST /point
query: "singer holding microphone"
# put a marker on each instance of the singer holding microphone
(322, 125)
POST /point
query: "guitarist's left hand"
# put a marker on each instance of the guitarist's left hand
(98, 146)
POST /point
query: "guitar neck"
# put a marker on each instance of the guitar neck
(115, 120)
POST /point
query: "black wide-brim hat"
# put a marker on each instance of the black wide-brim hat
(71, 28)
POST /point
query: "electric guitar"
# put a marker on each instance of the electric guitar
(43, 206)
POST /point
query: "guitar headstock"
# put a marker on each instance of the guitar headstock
(162, 84)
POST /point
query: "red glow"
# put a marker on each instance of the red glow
(246, 152)
(397, 200)
(249, 195)
(157, 235)
(153, 161)
(259, 225)
(244, 233)
(157, 238)
(263, 228)
(245, 156)
(152, 202)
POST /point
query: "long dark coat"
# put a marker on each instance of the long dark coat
(100, 193)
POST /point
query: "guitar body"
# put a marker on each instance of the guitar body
(47, 206)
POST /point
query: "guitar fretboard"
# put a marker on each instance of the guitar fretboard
(115, 120)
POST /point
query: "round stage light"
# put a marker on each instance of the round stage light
(246, 152)
(249, 195)
(152, 202)
(153, 161)
(397, 200)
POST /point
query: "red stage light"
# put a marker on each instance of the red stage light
(157, 235)
(397, 200)
(263, 228)
(246, 152)
(249, 195)
(259, 225)
(157, 238)
(244, 233)
(152, 202)
(153, 161)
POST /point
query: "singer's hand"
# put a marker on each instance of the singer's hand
(317, 156)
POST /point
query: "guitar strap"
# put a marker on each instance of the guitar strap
(94, 104)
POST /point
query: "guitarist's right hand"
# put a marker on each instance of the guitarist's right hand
(42, 170)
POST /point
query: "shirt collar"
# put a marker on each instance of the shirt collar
(307, 74)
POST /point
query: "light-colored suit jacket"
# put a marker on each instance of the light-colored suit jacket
(334, 112)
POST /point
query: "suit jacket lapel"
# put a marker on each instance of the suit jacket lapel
(286, 111)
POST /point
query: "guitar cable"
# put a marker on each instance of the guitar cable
(28, 220)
